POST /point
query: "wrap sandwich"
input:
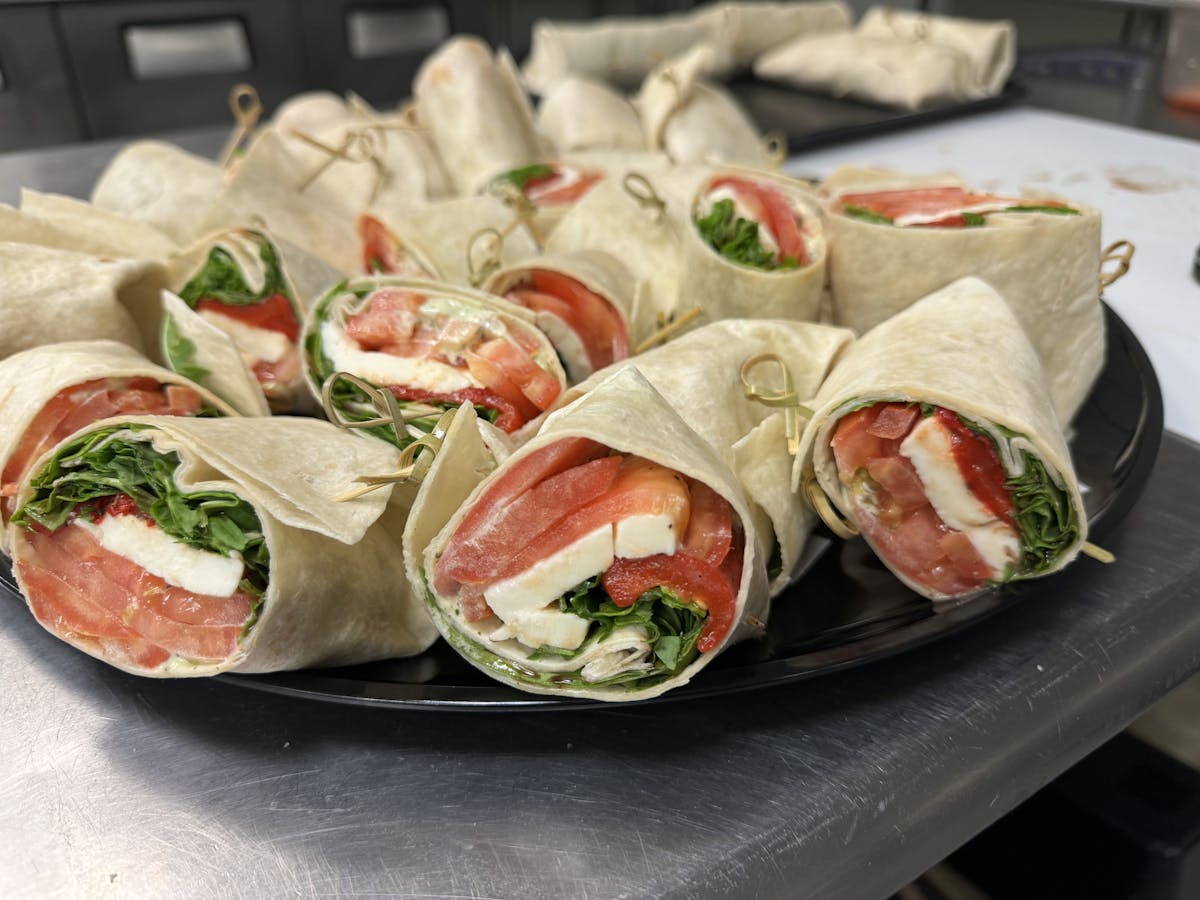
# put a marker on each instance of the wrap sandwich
(427, 347)
(255, 289)
(175, 547)
(583, 301)
(603, 559)
(754, 248)
(935, 435)
(580, 113)
(52, 391)
(892, 242)
(438, 241)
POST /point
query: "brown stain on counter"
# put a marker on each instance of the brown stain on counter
(1146, 179)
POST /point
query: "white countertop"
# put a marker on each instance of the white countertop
(1146, 185)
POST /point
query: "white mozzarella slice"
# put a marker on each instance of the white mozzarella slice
(549, 579)
(925, 218)
(645, 535)
(928, 447)
(148, 546)
(383, 368)
(544, 627)
(253, 343)
(568, 344)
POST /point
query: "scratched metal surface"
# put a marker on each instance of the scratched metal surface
(843, 786)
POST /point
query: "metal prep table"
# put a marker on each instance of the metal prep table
(846, 785)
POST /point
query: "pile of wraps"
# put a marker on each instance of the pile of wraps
(385, 376)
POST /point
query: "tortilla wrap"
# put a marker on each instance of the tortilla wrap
(1046, 266)
(615, 414)
(332, 595)
(160, 184)
(962, 349)
(584, 114)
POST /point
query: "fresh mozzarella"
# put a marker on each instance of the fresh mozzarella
(253, 343)
(544, 627)
(384, 368)
(546, 581)
(148, 546)
(568, 344)
(741, 211)
(925, 218)
(645, 535)
(929, 448)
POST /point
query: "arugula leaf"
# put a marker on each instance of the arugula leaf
(973, 219)
(867, 215)
(98, 464)
(1053, 210)
(521, 177)
(1044, 516)
(181, 352)
(221, 278)
(736, 239)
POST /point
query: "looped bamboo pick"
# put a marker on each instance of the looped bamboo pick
(247, 109)
(784, 397)
(1120, 252)
(842, 527)
(638, 187)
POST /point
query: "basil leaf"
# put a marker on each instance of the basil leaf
(867, 215)
(181, 352)
(222, 279)
(736, 239)
(520, 178)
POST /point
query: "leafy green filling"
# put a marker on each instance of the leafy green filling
(737, 240)
(181, 352)
(97, 465)
(866, 215)
(520, 178)
(221, 278)
(1044, 516)
(970, 219)
(351, 401)
(1052, 210)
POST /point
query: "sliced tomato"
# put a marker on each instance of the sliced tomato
(772, 211)
(390, 317)
(709, 533)
(476, 556)
(641, 488)
(945, 202)
(275, 313)
(566, 186)
(979, 465)
(500, 361)
(603, 327)
(893, 420)
(688, 578)
(487, 511)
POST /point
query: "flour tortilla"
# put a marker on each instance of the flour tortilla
(698, 375)
(1046, 266)
(725, 289)
(959, 348)
(52, 220)
(584, 114)
(477, 114)
(49, 295)
(160, 184)
(335, 595)
(616, 413)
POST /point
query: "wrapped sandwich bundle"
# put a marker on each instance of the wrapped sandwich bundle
(545, 191)
(580, 113)
(272, 187)
(700, 375)
(177, 547)
(476, 111)
(436, 241)
(935, 435)
(583, 301)
(693, 120)
(51, 220)
(52, 391)
(160, 184)
(892, 241)
(754, 248)
(424, 348)
(49, 295)
(255, 290)
(629, 218)
(603, 559)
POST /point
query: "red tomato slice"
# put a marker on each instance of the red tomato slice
(772, 211)
(559, 189)
(688, 578)
(389, 317)
(515, 367)
(710, 527)
(275, 313)
(979, 466)
(604, 326)
(922, 201)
